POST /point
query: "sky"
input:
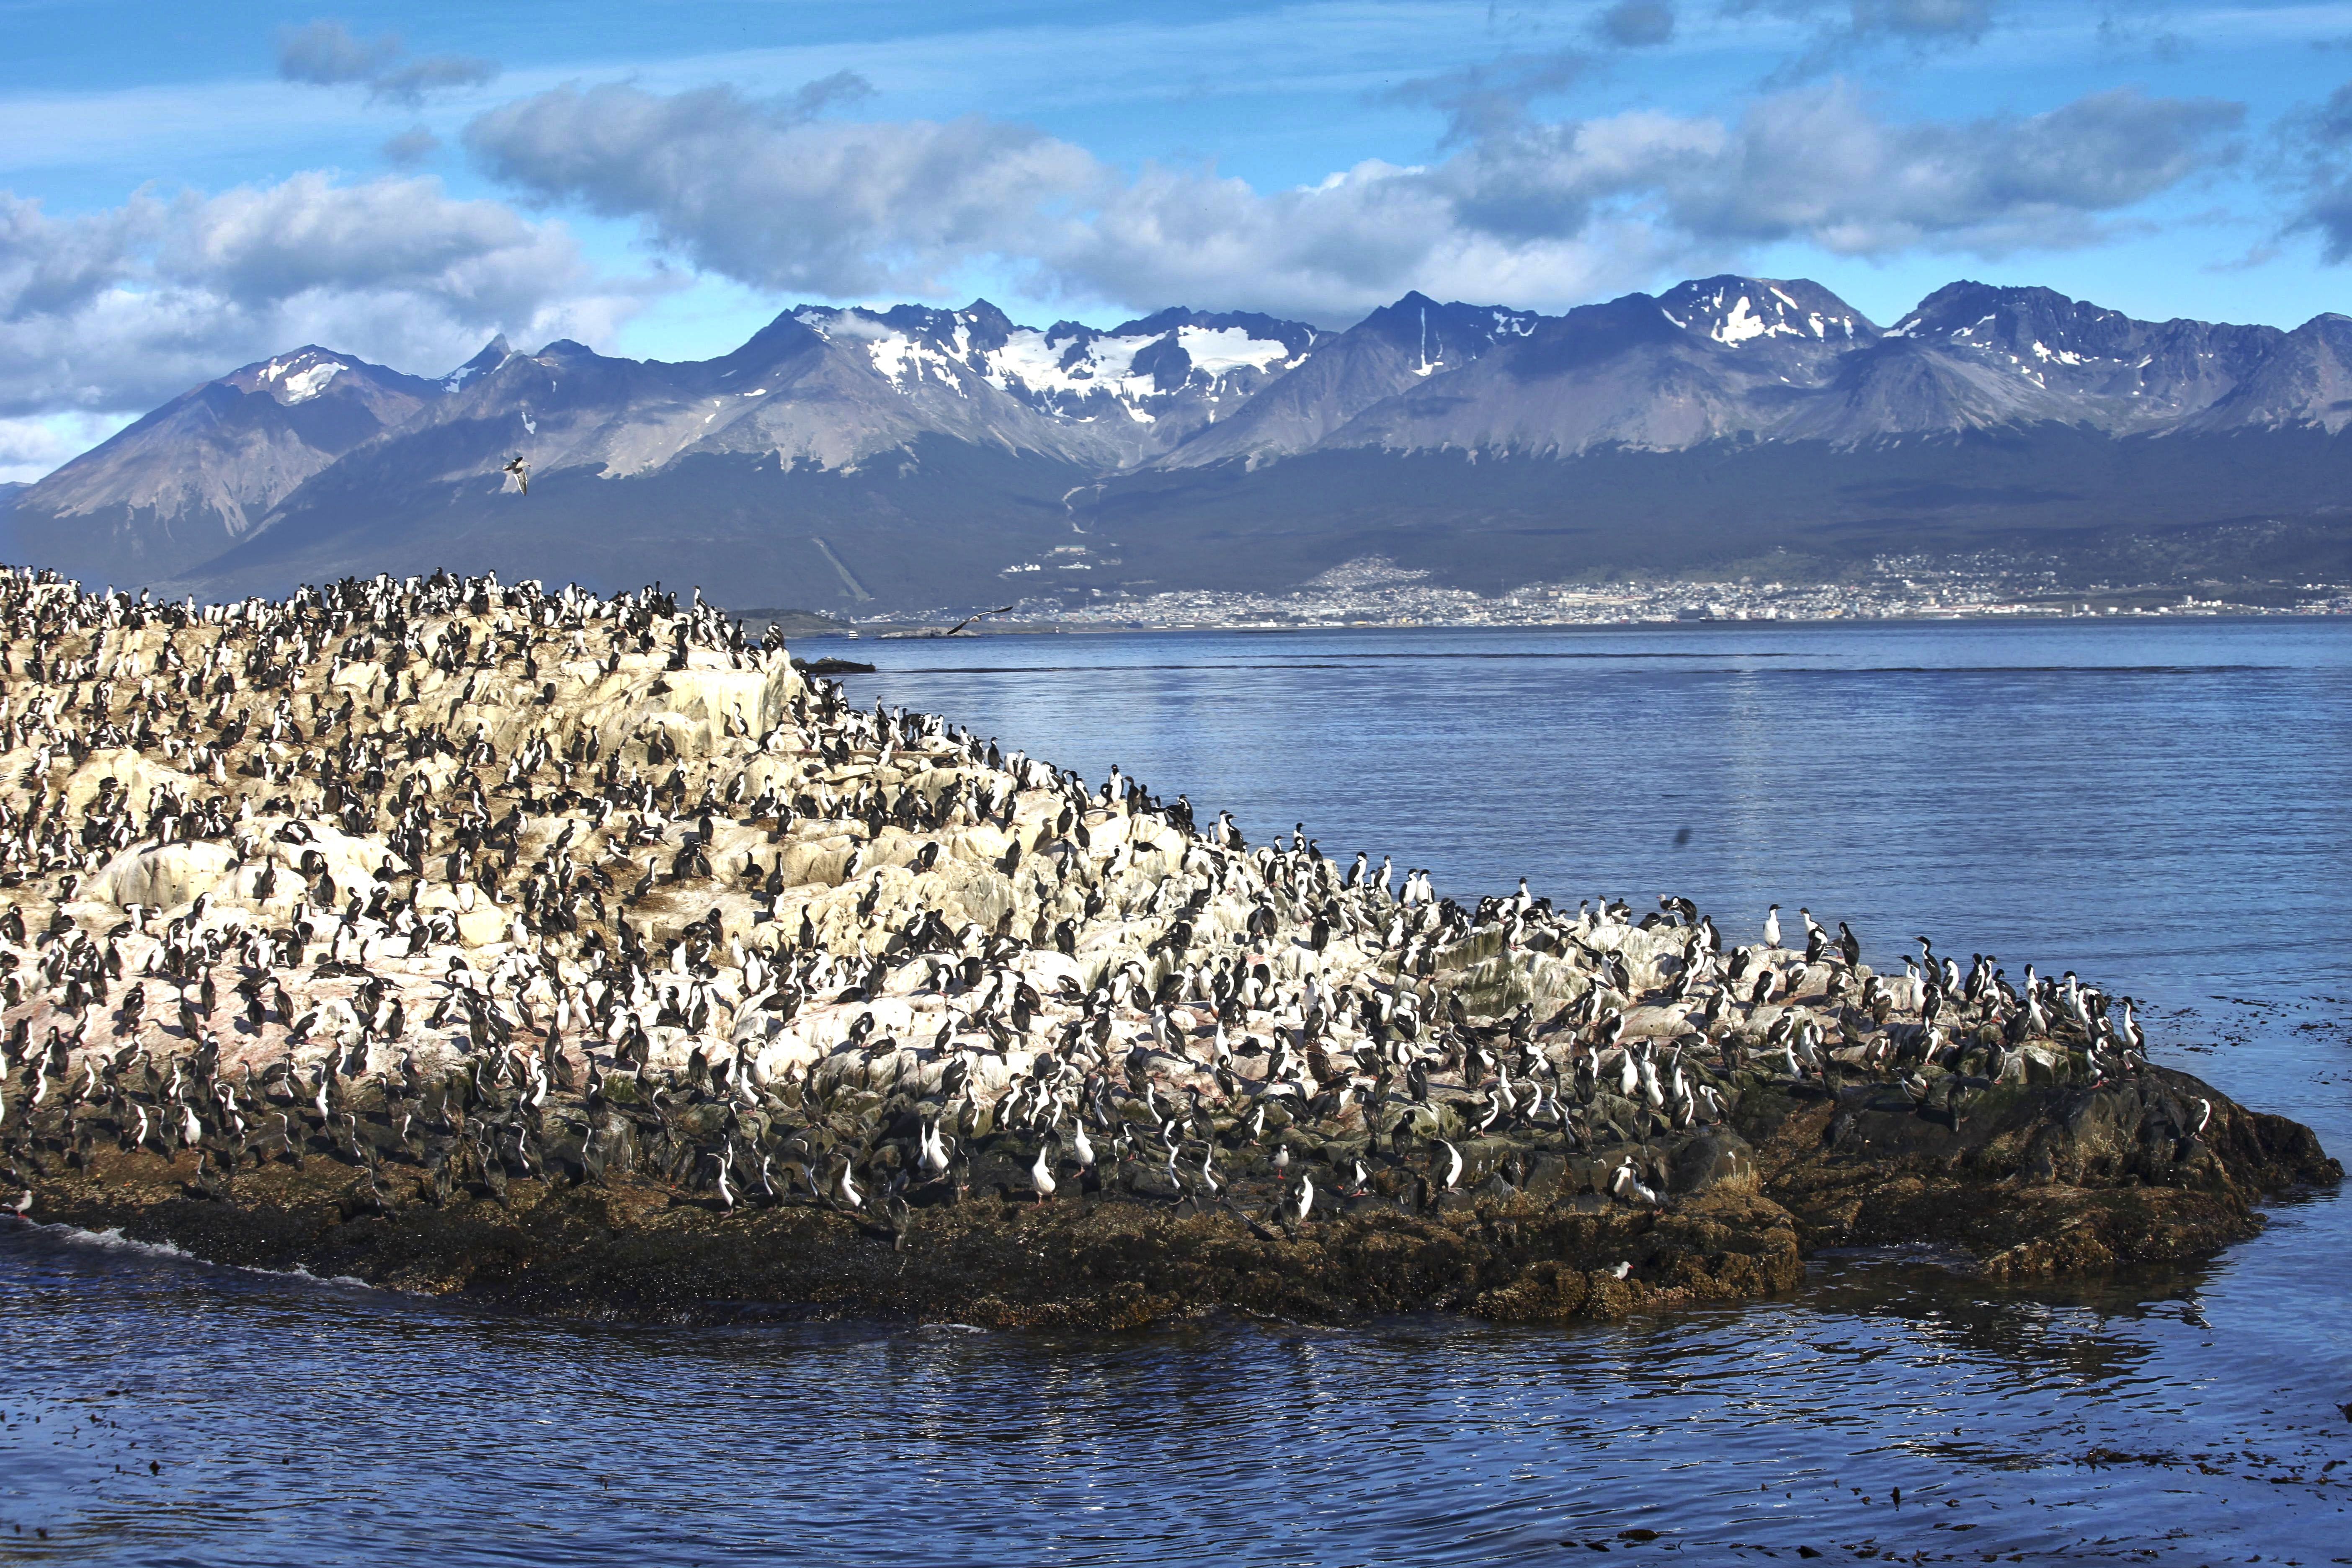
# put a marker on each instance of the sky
(187, 189)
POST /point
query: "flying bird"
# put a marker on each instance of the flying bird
(521, 472)
(983, 615)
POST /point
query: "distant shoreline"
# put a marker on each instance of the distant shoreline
(871, 634)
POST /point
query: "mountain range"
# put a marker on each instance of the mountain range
(861, 460)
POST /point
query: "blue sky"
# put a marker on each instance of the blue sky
(186, 189)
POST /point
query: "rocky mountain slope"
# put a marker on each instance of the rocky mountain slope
(855, 461)
(202, 472)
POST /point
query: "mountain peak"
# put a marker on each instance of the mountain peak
(291, 378)
(194, 475)
(989, 325)
(1986, 314)
(2148, 371)
(890, 396)
(1443, 336)
(1732, 309)
(494, 354)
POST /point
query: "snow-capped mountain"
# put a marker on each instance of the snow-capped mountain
(2124, 374)
(495, 353)
(1388, 353)
(1145, 384)
(834, 389)
(851, 456)
(1735, 310)
(1708, 360)
(200, 473)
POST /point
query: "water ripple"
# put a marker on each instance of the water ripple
(2159, 807)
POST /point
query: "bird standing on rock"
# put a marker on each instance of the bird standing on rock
(622, 842)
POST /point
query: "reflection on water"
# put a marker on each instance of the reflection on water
(2161, 807)
(287, 1420)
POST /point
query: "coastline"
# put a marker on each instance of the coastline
(864, 632)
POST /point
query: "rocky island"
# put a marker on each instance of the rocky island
(581, 954)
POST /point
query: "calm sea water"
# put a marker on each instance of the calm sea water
(2163, 808)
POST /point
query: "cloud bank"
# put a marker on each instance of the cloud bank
(125, 308)
(794, 194)
(767, 193)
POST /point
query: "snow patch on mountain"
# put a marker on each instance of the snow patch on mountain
(1056, 370)
(1732, 312)
(1034, 362)
(1214, 350)
(1168, 370)
(299, 379)
(1739, 325)
(905, 359)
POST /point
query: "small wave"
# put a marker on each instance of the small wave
(112, 1240)
(351, 1281)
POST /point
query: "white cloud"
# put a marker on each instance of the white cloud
(411, 147)
(1524, 212)
(1844, 29)
(30, 448)
(120, 309)
(761, 192)
(1820, 165)
(326, 54)
(123, 309)
(2318, 148)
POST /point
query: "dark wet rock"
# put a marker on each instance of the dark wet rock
(1719, 1157)
(2033, 1182)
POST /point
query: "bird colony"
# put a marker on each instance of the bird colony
(455, 885)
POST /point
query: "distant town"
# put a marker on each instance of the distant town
(1379, 592)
